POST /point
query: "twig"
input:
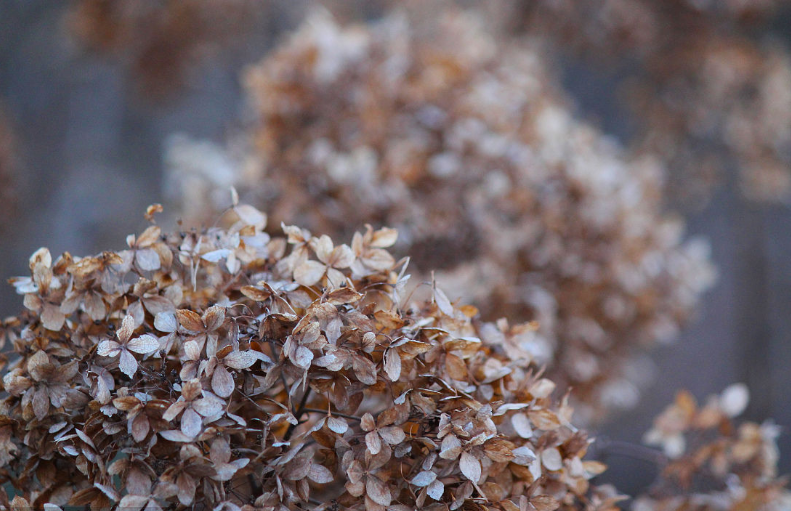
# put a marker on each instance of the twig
(297, 415)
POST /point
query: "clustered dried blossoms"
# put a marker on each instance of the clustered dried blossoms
(709, 87)
(163, 39)
(228, 369)
(466, 148)
(713, 464)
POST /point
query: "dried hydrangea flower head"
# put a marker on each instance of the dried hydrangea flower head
(710, 90)
(230, 369)
(465, 147)
(713, 463)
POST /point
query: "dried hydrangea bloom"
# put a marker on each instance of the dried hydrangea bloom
(466, 148)
(709, 87)
(714, 464)
(162, 40)
(284, 372)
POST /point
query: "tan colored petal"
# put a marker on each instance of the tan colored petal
(190, 320)
(378, 491)
(144, 344)
(222, 382)
(309, 273)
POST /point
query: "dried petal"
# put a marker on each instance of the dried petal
(470, 467)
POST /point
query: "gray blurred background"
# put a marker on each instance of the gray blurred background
(89, 156)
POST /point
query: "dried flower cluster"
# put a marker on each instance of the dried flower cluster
(227, 369)
(161, 40)
(465, 146)
(713, 464)
(708, 88)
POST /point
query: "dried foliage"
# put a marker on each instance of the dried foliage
(466, 147)
(709, 88)
(229, 369)
(161, 40)
(713, 463)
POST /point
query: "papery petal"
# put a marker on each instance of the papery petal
(309, 273)
(127, 327)
(373, 442)
(191, 423)
(166, 322)
(127, 363)
(209, 406)
(320, 474)
(144, 344)
(140, 427)
(341, 257)
(52, 318)
(174, 409)
(108, 349)
(378, 491)
(40, 403)
(222, 382)
(148, 259)
(470, 467)
(393, 435)
(241, 359)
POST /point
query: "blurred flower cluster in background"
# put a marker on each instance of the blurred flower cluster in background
(465, 147)
(604, 183)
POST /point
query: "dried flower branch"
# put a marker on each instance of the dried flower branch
(219, 377)
(465, 146)
(715, 464)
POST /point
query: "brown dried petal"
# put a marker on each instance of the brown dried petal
(241, 359)
(393, 435)
(222, 382)
(214, 317)
(373, 442)
(190, 320)
(365, 369)
(209, 405)
(108, 349)
(378, 491)
(320, 474)
(52, 318)
(174, 410)
(191, 423)
(309, 273)
(140, 427)
(392, 364)
(450, 449)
